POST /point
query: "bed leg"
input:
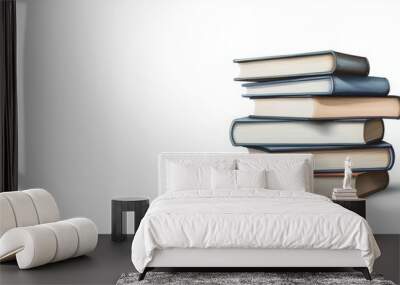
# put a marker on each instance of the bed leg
(142, 275)
(364, 271)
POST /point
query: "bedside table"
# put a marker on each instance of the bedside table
(358, 206)
(119, 207)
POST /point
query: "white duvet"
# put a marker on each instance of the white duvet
(250, 219)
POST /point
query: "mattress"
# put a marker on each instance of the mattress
(250, 219)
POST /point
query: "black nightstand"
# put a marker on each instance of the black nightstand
(119, 207)
(358, 206)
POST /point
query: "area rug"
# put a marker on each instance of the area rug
(244, 278)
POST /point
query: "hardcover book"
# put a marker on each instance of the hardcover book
(346, 85)
(304, 64)
(328, 107)
(329, 158)
(366, 183)
(252, 132)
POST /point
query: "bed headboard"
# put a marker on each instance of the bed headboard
(164, 158)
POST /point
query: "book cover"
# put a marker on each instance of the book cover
(327, 107)
(329, 158)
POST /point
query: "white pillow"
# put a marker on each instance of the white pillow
(188, 177)
(251, 178)
(193, 174)
(222, 179)
(291, 175)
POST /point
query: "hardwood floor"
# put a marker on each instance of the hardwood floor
(389, 262)
(111, 259)
(103, 266)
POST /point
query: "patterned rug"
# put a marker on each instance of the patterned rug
(244, 278)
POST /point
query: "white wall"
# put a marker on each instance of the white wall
(105, 85)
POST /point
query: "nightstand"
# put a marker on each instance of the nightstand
(119, 207)
(358, 206)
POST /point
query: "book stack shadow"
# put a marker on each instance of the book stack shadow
(324, 103)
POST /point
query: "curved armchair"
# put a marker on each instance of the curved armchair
(32, 233)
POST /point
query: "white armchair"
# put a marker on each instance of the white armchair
(31, 230)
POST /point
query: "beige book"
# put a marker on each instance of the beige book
(366, 183)
(363, 158)
(328, 107)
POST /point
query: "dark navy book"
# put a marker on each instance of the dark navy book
(345, 85)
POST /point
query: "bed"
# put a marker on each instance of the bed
(247, 210)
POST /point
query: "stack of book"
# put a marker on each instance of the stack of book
(344, 194)
(322, 103)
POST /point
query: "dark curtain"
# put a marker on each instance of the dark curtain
(8, 92)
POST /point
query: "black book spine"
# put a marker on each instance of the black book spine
(351, 64)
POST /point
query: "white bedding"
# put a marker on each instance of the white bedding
(250, 219)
